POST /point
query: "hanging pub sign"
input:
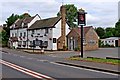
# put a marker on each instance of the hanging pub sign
(81, 17)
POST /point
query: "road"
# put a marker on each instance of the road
(45, 66)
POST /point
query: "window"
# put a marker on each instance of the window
(19, 43)
(45, 44)
(15, 34)
(46, 30)
(25, 24)
(12, 34)
(33, 31)
(54, 40)
(20, 34)
(24, 34)
(24, 43)
(105, 41)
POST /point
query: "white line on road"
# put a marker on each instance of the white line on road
(27, 71)
(84, 69)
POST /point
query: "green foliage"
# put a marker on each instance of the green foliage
(117, 28)
(65, 48)
(101, 43)
(99, 60)
(77, 49)
(4, 38)
(71, 14)
(11, 19)
(107, 32)
(24, 15)
(100, 31)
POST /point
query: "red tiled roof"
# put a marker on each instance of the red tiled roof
(78, 30)
(85, 29)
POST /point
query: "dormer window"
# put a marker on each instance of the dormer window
(25, 24)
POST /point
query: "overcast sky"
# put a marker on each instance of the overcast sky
(103, 13)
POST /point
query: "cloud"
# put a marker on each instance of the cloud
(99, 12)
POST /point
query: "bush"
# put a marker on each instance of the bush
(77, 49)
(65, 48)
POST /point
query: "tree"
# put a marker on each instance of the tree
(4, 38)
(71, 14)
(11, 19)
(24, 15)
(117, 28)
(100, 31)
(109, 32)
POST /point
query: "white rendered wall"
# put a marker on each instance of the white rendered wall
(44, 38)
(57, 33)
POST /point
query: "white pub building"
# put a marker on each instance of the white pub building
(33, 31)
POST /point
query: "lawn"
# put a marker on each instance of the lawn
(99, 60)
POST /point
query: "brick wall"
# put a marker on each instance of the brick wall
(91, 35)
(119, 42)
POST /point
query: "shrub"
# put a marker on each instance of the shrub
(77, 49)
(65, 48)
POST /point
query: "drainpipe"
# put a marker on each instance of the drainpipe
(27, 38)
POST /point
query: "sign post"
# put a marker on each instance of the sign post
(81, 22)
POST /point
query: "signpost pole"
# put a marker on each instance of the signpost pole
(82, 41)
(81, 22)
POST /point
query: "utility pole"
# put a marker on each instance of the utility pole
(81, 22)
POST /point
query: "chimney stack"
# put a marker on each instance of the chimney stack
(63, 24)
(63, 21)
(62, 39)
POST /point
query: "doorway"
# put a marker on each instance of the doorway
(116, 43)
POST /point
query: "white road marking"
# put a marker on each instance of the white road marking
(84, 69)
(30, 58)
(22, 56)
(15, 55)
(24, 70)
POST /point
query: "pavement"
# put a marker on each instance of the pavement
(60, 58)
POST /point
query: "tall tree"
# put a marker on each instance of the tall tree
(71, 14)
(117, 28)
(109, 32)
(100, 31)
(11, 19)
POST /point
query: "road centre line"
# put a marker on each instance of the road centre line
(27, 71)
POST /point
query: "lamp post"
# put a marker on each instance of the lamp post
(81, 22)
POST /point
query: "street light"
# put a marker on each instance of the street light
(81, 22)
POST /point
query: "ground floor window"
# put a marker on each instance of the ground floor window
(24, 43)
(54, 40)
(19, 43)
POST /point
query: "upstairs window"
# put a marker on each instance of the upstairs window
(25, 24)
(12, 34)
(20, 34)
(15, 34)
(33, 31)
(24, 34)
(46, 31)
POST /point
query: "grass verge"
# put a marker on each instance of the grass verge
(99, 60)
